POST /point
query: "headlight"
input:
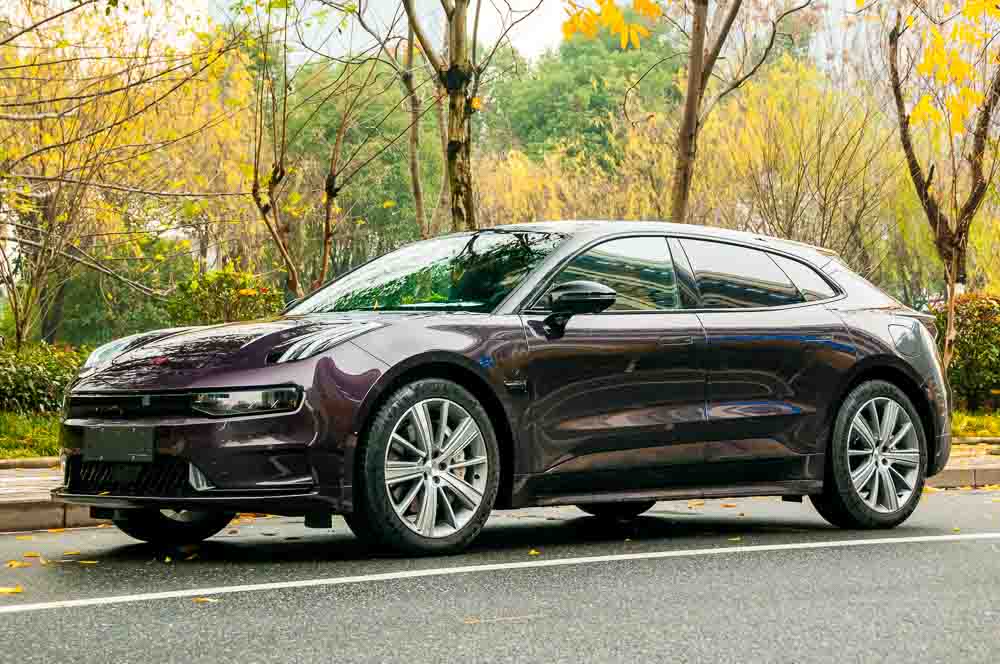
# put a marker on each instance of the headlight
(107, 352)
(247, 402)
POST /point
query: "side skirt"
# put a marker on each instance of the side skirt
(785, 488)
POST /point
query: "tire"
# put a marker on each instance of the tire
(184, 527)
(617, 511)
(434, 507)
(362, 529)
(893, 488)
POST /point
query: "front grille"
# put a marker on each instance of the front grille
(127, 406)
(166, 476)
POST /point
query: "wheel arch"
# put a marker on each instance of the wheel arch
(891, 370)
(459, 370)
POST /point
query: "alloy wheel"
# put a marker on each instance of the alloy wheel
(436, 467)
(883, 455)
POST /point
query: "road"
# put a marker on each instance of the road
(727, 581)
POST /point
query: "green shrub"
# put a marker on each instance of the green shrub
(975, 363)
(223, 296)
(33, 380)
(28, 435)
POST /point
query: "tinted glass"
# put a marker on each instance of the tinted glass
(733, 277)
(812, 286)
(469, 272)
(638, 268)
(685, 275)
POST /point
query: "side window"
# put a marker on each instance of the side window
(638, 268)
(812, 286)
(734, 277)
(685, 275)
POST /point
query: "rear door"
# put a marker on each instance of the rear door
(618, 398)
(771, 355)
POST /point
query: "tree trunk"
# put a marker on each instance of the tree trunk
(687, 135)
(463, 215)
(445, 194)
(416, 185)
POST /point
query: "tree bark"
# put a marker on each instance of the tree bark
(463, 213)
(687, 135)
(416, 185)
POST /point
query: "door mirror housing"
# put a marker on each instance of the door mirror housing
(577, 297)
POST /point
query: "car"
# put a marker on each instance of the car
(607, 365)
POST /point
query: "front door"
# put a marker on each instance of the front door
(623, 390)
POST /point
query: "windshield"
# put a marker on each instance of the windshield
(468, 272)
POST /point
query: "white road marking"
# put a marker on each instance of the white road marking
(469, 569)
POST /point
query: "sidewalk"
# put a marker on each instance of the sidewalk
(25, 504)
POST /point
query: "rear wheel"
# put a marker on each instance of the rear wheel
(430, 470)
(172, 527)
(877, 461)
(617, 510)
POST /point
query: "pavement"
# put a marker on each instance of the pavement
(25, 504)
(721, 581)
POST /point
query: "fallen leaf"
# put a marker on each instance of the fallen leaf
(56, 530)
(233, 532)
(931, 489)
(728, 505)
(31, 554)
(956, 530)
(88, 562)
(104, 525)
(628, 539)
(965, 488)
(991, 487)
(735, 539)
(472, 621)
(743, 513)
(72, 552)
(12, 591)
(14, 564)
(192, 556)
(534, 552)
(25, 537)
(204, 600)
(168, 559)
(695, 503)
(104, 493)
(269, 533)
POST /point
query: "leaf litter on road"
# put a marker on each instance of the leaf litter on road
(11, 590)
(15, 564)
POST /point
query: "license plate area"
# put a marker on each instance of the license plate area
(118, 444)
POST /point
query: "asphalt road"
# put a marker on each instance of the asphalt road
(759, 581)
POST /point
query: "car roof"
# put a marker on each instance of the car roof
(595, 228)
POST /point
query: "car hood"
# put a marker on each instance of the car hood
(197, 351)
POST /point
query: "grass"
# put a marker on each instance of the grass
(38, 435)
(28, 435)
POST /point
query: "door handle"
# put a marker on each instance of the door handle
(674, 342)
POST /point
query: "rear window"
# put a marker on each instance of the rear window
(812, 286)
(734, 277)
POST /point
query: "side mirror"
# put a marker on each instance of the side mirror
(577, 297)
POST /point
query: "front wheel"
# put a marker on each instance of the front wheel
(617, 510)
(172, 527)
(877, 460)
(429, 472)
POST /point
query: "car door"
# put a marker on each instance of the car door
(622, 390)
(771, 358)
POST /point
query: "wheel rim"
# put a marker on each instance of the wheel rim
(436, 468)
(883, 455)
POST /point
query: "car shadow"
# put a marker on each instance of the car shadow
(511, 532)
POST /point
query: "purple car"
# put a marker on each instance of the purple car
(606, 365)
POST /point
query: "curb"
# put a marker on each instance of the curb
(29, 462)
(42, 515)
(975, 440)
(951, 478)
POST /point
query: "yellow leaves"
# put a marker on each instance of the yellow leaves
(735, 539)
(88, 562)
(71, 552)
(388, 204)
(925, 112)
(31, 554)
(476, 103)
(56, 530)
(695, 503)
(931, 489)
(248, 292)
(204, 600)
(729, 505)
(25, 537)
(588, 22)
(15, 590)
(534, 552)
(16, 564)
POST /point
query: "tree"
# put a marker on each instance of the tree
(715, 67)
(945, 81)
(460, 68)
